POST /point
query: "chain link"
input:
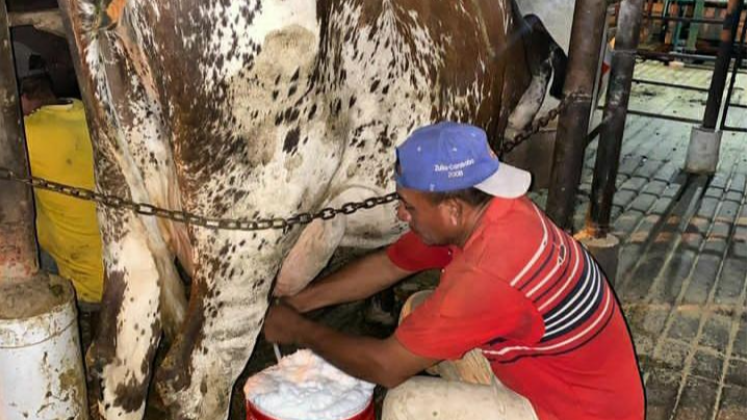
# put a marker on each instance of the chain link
(327, 213)
(537, 125)
(146, 209)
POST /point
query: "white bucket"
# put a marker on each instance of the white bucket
(41, 369)
(305, 387)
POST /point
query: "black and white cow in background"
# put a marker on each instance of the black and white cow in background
(260, 109)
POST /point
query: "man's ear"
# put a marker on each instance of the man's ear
(455, 208)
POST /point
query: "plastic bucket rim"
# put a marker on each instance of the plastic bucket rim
(345, 416)
(33, 330)
(53, 310)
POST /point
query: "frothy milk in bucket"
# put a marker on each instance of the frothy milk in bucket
(305, 387)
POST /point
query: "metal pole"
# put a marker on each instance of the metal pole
(611, 136)
(671, 85)
(737, 65)
(18, 254)
(573, 126)
(721, 71)
(687, 19)
(692, 37)
(663, 117)
(735, 129)
(678, 28)
(660, 55)
(649, 21)
(667, 13)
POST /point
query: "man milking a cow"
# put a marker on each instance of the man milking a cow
(523, 324)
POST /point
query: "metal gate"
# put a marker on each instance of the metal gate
(728, 61)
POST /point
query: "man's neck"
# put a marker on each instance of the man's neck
(35, 105)
(472, 221)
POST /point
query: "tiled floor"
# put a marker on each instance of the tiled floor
(683, 259)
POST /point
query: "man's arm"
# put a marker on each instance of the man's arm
(357, 280)
(385, 362)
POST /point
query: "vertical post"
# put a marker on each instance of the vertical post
(671, 8)
(692, 37)
(735, 70)
(721, 71)
(649, 22)
(18, 254)
(586, 39)
(681, 11)
(705, 141)
(615, 113)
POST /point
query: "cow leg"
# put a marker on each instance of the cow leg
(234, 273)
(130, 327)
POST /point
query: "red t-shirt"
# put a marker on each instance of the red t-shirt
(537, 305)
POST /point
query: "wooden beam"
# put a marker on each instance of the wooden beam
(44, 20)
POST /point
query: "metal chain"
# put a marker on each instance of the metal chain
(537, 125)
(250, 225)
(193, 219)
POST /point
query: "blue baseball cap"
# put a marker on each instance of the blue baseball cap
(450, 156)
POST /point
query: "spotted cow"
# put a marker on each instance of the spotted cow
(262, 109)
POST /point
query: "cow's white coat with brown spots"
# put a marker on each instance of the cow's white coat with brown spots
(258, 109)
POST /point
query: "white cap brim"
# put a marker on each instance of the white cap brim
(507, 182)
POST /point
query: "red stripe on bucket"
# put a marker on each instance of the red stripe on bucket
(253, 413)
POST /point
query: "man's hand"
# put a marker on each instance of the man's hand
(358, 280)
(282, 324)
(385, 362)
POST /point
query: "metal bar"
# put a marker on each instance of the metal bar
(678, 27)
(595, 132)
(664, 117)
(692, 36)
(686, 19)
(721, 71)
(672, 85)
(616, 107)
(18, 254)
(742, 106)
(735, 70)
(710, 68)
(655, 54)
(648, 20)
(735, 129)
(666, 23)
(573, 126)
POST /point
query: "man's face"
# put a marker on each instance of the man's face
(427, 220)
(26, 106)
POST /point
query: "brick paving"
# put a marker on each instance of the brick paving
(683, 259)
